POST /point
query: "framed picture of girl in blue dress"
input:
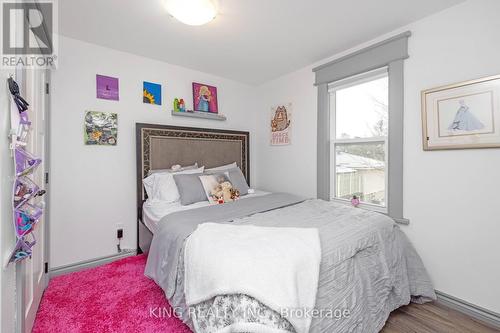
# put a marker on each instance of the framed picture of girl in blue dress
(204, 98)
(462, 115)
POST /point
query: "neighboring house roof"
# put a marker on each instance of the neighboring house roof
(346, 163)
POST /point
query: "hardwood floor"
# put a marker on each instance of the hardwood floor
(432, 318)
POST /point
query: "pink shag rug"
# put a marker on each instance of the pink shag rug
(116, 297)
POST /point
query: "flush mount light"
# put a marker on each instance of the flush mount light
(192, 12)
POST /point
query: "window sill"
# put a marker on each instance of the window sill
(401, 220)
(374, 208)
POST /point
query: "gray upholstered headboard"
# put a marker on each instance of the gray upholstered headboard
(161, 146)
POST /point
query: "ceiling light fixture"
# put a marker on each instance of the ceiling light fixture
(192, 12)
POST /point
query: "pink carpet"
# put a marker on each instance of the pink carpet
(116, 297)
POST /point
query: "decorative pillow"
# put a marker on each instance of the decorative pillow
(161, 186)
(189, 167)
(190, 188)
(218, 188)
(223, 167)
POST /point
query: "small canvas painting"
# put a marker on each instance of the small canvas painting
(281, 121)
(151, 93)
(107, 87)
(101, 128)
(205, 98)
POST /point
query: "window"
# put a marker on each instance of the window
(359, 138)
(360, 126)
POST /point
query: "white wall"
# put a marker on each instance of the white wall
(290, 168)
(94, 188)
(450, 197)
(7, 237)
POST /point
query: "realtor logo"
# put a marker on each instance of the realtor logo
(28, 33)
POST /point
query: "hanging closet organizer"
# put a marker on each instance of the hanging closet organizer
(26, 212)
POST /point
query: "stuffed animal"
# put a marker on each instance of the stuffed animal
(226, 191)
(218, 197)
(218, 194)
(223, 192)
(235, 194)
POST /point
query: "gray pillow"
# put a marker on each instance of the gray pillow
(190, 188)
(236, 178)
(223, 167)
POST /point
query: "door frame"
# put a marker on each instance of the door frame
(21, 77)
(46, 178)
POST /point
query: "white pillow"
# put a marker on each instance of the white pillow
(223, 167)
(161, 186)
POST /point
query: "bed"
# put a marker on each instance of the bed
(368, 268)
(161, 146)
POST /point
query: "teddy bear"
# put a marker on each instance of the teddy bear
(223, 192)
(217, 196)
(235, 194)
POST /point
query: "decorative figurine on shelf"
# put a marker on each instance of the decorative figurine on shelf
(176, 105)
(355, 201)
(182, 105)
(179, 105)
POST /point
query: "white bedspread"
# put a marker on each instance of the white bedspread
(277, 266)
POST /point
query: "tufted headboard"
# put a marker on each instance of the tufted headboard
(161, 146)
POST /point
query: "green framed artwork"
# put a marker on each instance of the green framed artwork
(100, 128)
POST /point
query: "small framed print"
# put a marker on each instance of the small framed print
(101, 128)
(107, 87)
(151, 93)
(205, 98)
(281, 121)
(462, 115)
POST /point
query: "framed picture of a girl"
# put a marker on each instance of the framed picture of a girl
(204, 98)
(462, 115)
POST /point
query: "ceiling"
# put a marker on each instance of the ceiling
(250, 41)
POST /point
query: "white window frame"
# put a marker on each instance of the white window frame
(332, 89)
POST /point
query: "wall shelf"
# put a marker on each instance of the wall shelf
(196, 114)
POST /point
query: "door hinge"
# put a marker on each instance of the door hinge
(47, 88)
(46, 267)
(46, 178)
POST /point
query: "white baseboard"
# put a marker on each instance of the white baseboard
(89, 263)
(483, 315)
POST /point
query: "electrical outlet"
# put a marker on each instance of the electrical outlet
(119, 230)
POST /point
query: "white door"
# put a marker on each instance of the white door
(32, 278)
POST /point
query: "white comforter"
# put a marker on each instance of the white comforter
(277, 266)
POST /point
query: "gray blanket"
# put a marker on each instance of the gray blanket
(368, 266)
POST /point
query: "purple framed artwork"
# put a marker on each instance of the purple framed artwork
(205, 98)
(107, 87)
